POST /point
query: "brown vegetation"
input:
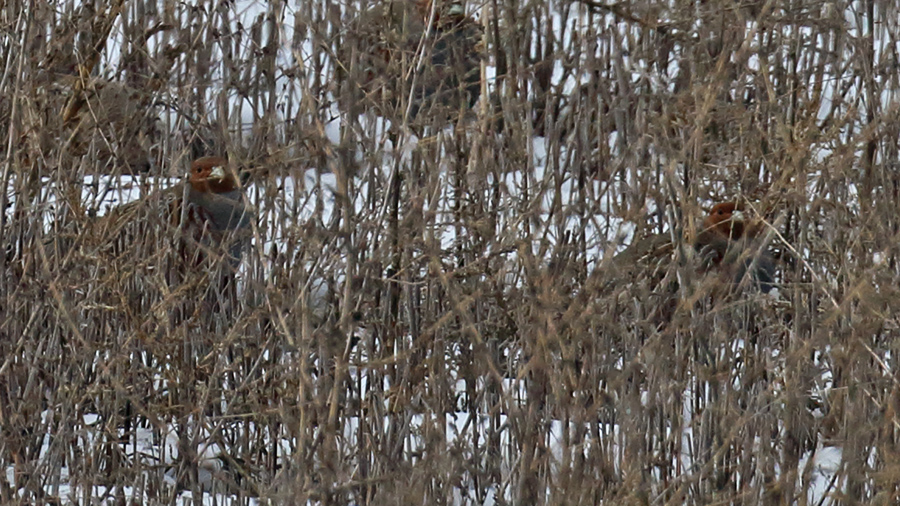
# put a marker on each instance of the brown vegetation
(437, 322)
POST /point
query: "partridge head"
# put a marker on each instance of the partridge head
(725, 220)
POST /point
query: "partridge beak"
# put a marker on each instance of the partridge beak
(737, 217)
(217, 173)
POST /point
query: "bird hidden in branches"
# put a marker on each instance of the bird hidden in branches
(412, 49)
(730, 245)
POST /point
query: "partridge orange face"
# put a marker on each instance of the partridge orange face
(210, 174)
(725, 219)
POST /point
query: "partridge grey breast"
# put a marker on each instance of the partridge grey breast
(216, 213)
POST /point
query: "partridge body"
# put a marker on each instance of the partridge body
(728, 243)
(206, 219)
(216, 218)
(388, 39)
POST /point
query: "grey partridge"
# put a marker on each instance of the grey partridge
(730, 245)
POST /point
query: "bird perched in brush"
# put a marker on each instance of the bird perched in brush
(650, 268)
(214, 215)
(426, 51)
(730, 244)
(207, 217)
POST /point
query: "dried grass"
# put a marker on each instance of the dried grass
(574, 375)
